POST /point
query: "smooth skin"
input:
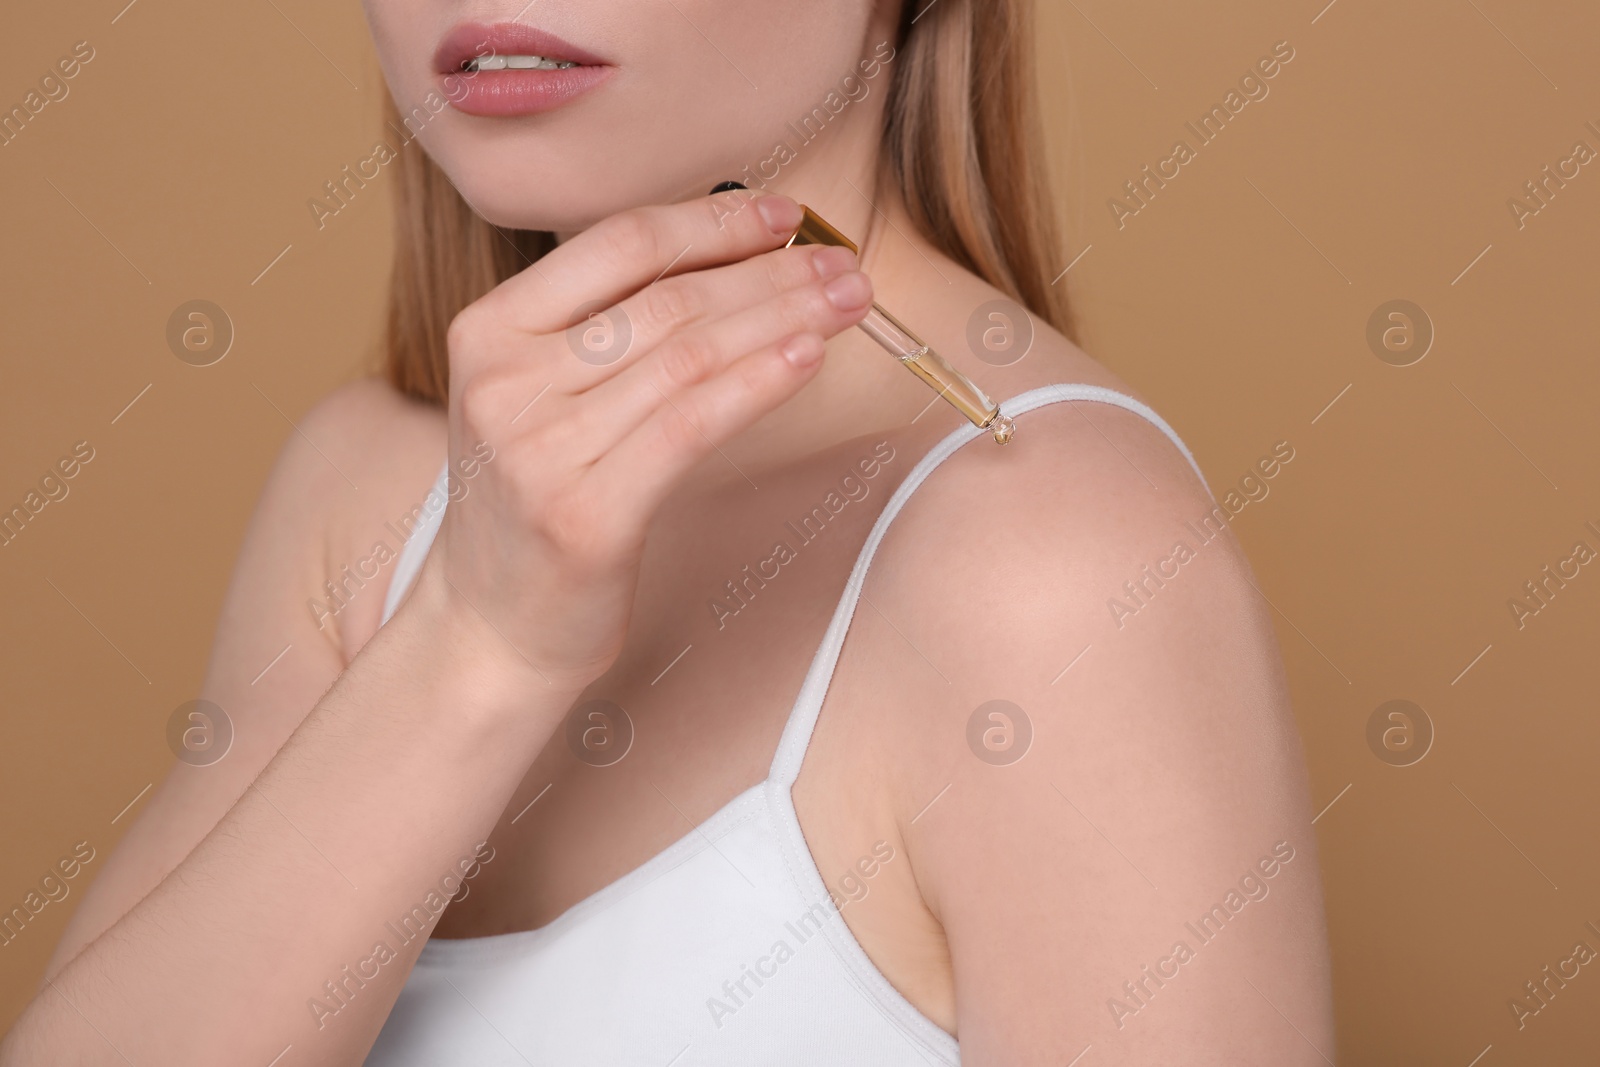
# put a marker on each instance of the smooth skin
(369, 762)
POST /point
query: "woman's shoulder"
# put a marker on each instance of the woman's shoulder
(1093, 482)
(1083, 568)
(1067, 649)
(1091, 441)
(353, 477)
(296, 610)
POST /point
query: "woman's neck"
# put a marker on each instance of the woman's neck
(860, 389)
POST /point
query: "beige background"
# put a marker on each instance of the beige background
(1378, 168)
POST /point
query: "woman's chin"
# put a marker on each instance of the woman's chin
(557, 207)
(532, 195)
(530, 213)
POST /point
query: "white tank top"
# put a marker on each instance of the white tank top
(723, 949)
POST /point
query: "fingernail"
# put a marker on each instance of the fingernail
(803, 349)
(833, 259)
(781, 213)
(848, 291)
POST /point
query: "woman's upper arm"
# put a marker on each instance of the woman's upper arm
(1079, 887)
(273, 656)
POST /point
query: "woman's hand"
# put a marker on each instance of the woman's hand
(247, 872)
(704, 325)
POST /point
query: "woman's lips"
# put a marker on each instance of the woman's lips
(519, 92)
(511, 91)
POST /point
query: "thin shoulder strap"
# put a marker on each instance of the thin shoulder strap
(415, 550)
(803, 719)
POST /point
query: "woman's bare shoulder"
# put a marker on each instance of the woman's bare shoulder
(376, 428)
(351, 462)
(368, 459)
(1078, 599)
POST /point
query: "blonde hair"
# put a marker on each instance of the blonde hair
(962, 144)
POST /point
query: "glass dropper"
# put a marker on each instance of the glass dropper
(913, 353)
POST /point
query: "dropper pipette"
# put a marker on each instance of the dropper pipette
(912, 352)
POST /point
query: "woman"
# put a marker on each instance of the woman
(698, 786)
